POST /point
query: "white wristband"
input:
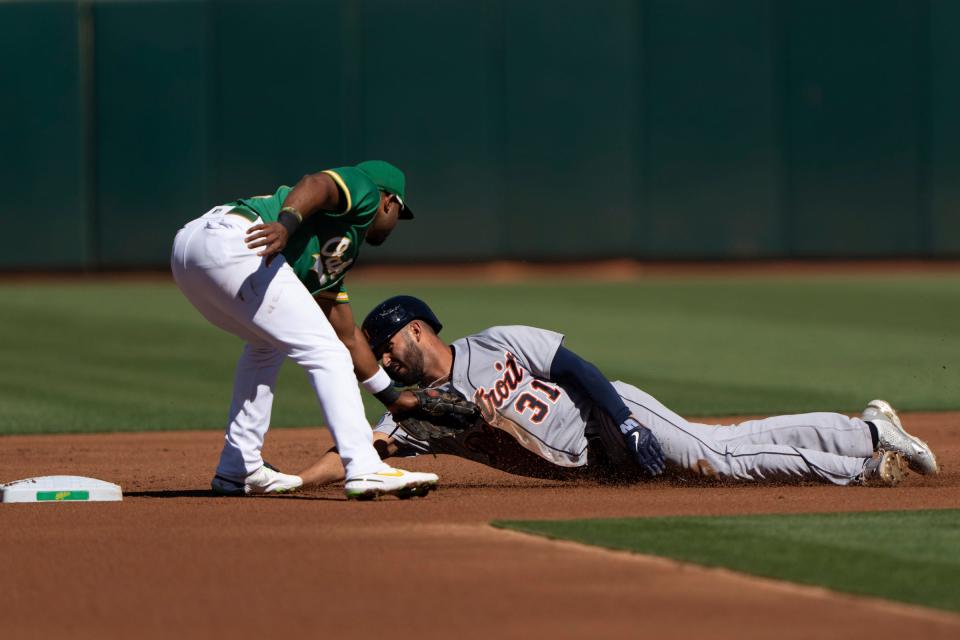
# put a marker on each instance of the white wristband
(377, 382)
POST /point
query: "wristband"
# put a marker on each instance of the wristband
(381, 386)
(388, 396)
(295, 212)
(377, 382)
(290, 218)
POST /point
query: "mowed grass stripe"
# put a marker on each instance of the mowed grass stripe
(909, 556)
(129, 356)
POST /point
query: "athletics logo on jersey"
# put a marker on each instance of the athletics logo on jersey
(329, 262)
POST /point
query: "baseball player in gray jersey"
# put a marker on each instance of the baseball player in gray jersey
(544, 409)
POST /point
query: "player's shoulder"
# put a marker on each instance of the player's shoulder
(514, 328)
(363, 196)
(508, 333)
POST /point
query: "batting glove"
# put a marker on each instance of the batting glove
(644, 446)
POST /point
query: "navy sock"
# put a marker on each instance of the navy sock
(874, 435)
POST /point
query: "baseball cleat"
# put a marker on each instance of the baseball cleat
(886, 470)
(266, 479)
(390, 482)
(893, 437)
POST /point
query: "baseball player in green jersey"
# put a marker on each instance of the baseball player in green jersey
(270, 270)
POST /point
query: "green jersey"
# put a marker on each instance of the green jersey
(327, 244)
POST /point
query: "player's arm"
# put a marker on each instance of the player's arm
(341, 319)
(570, 368)
(371, 376)
(315, 192)
(329, 468)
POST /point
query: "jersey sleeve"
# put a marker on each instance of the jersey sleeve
(363, 197)
(407, 445)
(535, 348)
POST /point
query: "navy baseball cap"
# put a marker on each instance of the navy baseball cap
(393, 314)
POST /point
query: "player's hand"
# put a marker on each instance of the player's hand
(406, 403)
(271, 238)
(644, 446)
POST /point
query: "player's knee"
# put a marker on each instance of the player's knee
(262, 354)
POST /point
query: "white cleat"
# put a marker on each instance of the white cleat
(893, 437)
(266, 479)
(883, 471)
(390, 482)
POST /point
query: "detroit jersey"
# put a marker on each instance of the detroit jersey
(327, 244)
(506, 372)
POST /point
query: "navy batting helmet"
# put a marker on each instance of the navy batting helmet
(393, 314)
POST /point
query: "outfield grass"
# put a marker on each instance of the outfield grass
(103, 357)
(910, 556)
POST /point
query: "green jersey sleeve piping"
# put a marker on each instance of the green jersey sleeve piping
(343, 185)
(340, 297)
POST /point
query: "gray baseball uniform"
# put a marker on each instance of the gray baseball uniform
(506, 372)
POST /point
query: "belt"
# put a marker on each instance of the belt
(245, 212)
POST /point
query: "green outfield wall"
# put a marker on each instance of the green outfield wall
(529, 129)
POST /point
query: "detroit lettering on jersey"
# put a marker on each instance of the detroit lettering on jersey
(328, 243)
(493, 399)
(505, 370)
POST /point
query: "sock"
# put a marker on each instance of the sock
(874, 435)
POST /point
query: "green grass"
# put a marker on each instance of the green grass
(126, 356)
(910, 556)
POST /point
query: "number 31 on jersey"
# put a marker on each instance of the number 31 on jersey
(538, 403)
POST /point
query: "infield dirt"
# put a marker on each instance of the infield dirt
(173, 561)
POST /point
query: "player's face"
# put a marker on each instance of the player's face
(403, 359)
(385, 220)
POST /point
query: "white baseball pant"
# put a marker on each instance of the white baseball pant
(269, 308)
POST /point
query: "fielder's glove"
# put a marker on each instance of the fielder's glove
(436, 403)
(644, 446)
(424, 430)
(442, 414)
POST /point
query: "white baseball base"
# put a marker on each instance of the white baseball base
(60, 489)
